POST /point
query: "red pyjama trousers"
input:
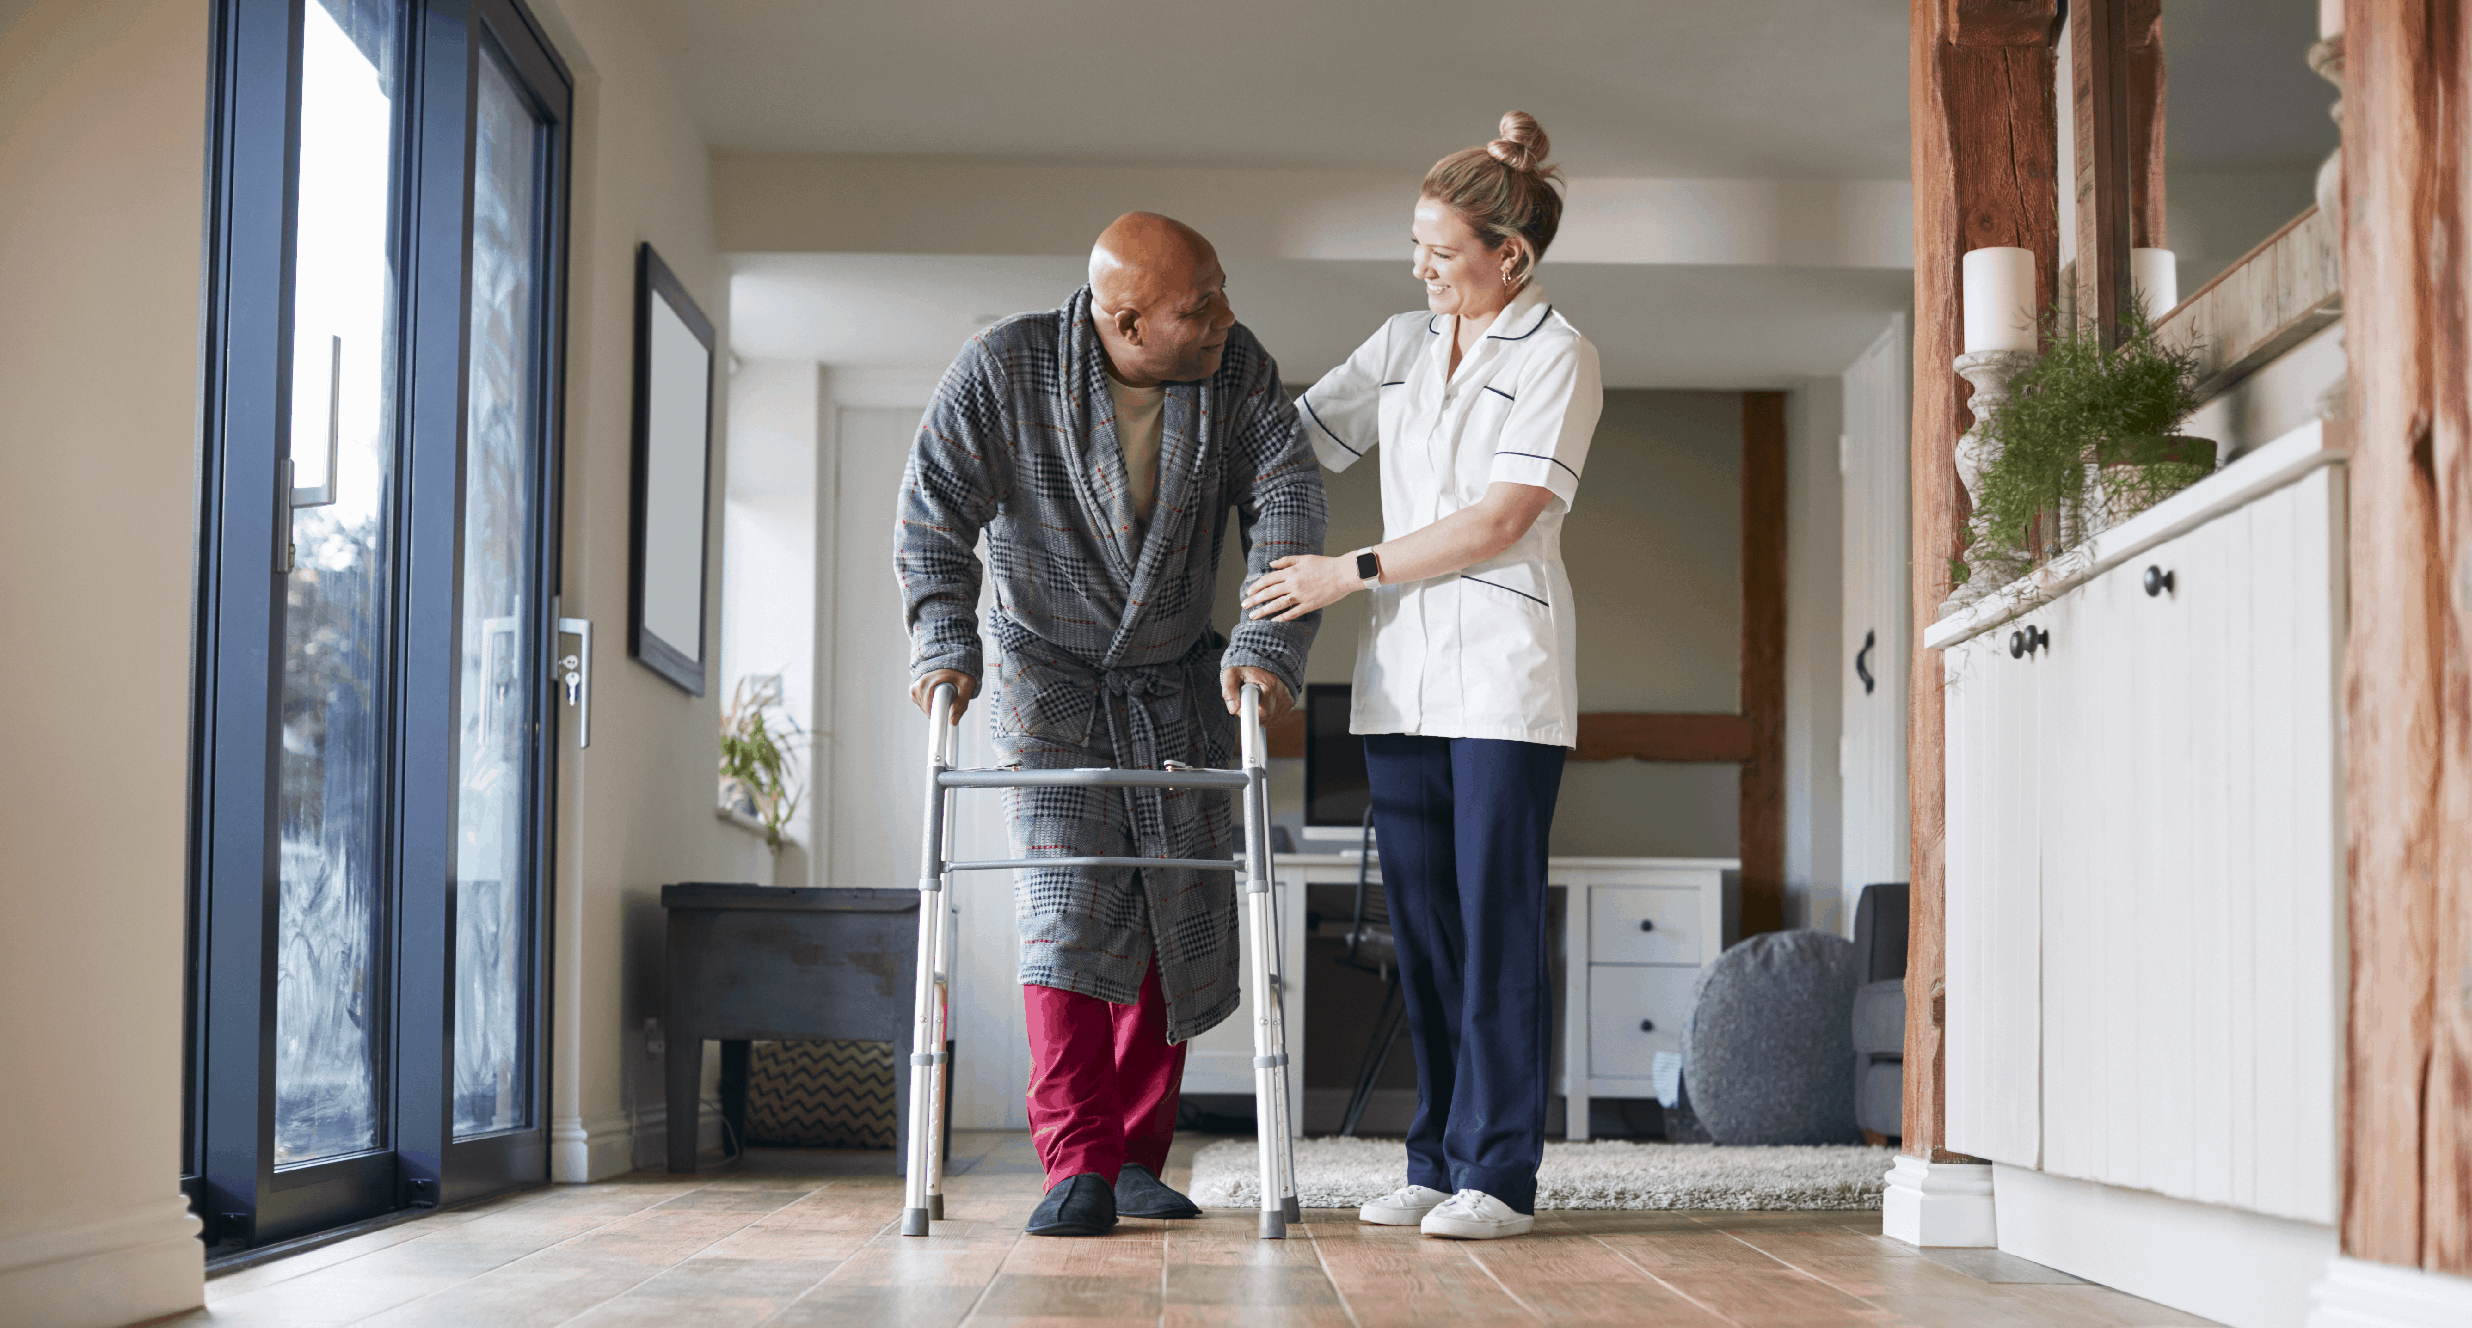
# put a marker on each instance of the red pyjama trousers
(1103, 1081)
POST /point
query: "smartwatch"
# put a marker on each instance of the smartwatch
(1369, 568)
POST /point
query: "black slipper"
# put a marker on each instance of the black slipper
(1140, 1193)
(1075, 1206)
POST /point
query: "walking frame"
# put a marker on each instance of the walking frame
(923, 1192)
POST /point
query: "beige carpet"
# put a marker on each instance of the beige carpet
(1342, 1173)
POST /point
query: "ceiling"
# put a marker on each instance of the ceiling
(1682, 88)
(1654, 325)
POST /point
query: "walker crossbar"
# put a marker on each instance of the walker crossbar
(1195, 778)
(1004, 864)
(923, 1189)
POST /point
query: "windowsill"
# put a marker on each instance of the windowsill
(733, 816)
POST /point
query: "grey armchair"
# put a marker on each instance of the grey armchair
(1879, 1010)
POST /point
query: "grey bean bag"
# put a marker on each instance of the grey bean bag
(1769, 1054)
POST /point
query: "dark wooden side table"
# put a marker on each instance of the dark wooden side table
(757, 963)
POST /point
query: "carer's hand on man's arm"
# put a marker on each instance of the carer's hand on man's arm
(923, 692)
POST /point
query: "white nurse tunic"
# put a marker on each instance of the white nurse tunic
(1489, 651)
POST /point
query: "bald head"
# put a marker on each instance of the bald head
(1159, 299)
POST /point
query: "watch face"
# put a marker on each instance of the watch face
(1368, 566)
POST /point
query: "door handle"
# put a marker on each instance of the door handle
(1862, 669)
(575, 673)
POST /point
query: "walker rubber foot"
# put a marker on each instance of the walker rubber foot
(914, 1221)
(1274, 1225)
(935, 1208)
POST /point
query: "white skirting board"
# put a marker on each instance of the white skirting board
(2236, 1267)
(585, 1149)
(2360, 1294)
(1938, 1203)
(140, 1264)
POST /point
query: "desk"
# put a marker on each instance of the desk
(757, 963)
(1635, 932)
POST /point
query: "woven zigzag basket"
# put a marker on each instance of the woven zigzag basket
(836, 1094)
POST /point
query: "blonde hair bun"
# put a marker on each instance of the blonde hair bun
(1523, 145)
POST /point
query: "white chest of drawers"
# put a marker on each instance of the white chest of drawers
(1625, 987)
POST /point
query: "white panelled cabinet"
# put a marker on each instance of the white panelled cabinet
(2146, 957)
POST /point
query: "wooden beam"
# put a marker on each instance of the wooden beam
(1985, 173)
(2000, 22)
(2279, 294)
(1762, 817)
(2099, 59)
(2405, 769)
(1606, 735)
(2146, 105)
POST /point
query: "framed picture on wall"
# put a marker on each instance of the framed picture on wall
(670, 544)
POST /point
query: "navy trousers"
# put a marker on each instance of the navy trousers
(1463, 825)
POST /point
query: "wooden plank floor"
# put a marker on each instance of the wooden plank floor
(808, 1239)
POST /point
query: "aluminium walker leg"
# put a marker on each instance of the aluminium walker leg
(926, 1044)
(936, 1122)
(1269, 1028)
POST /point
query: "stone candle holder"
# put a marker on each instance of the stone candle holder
(1991, 372)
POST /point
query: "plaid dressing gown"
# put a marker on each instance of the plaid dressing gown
(1108, 657)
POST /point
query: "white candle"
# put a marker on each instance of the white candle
(1999, 299)
(2155, 277)
(2330, 18)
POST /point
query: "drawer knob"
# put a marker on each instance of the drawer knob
(1647, 1025)
(2026, 640)
(2017, 645)
(2157, 581)
(1647, 924)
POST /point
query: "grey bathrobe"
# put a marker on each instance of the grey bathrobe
(1107, 654)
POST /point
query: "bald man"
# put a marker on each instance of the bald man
(1101, 449)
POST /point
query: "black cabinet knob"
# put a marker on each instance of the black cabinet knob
(1647, 924)
(2157, 581)
(1647, 1025)
(2017, 645)
(2037, 638)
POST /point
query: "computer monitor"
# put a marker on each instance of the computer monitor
(1336, 792)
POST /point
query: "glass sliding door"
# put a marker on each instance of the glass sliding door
(502, 683)
(330, 1010)
(377, 578)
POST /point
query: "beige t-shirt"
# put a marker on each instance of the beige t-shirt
(1137, 433)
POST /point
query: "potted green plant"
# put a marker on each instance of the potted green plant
(2087, 438)
(760, 774)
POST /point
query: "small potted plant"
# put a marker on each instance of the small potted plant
(759, 760)
(2088, 438)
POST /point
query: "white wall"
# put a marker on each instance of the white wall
(102, 152)
(1814, 664)
(768, 622)
(636, 808)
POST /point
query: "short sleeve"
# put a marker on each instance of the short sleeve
(1343, 412)
(1545, 436)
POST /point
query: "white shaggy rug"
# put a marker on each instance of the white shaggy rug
(1342, 1173)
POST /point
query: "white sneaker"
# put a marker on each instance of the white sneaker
(1475, 1215)
(1402, 1207)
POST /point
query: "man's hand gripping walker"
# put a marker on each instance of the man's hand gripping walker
(923, 1196)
